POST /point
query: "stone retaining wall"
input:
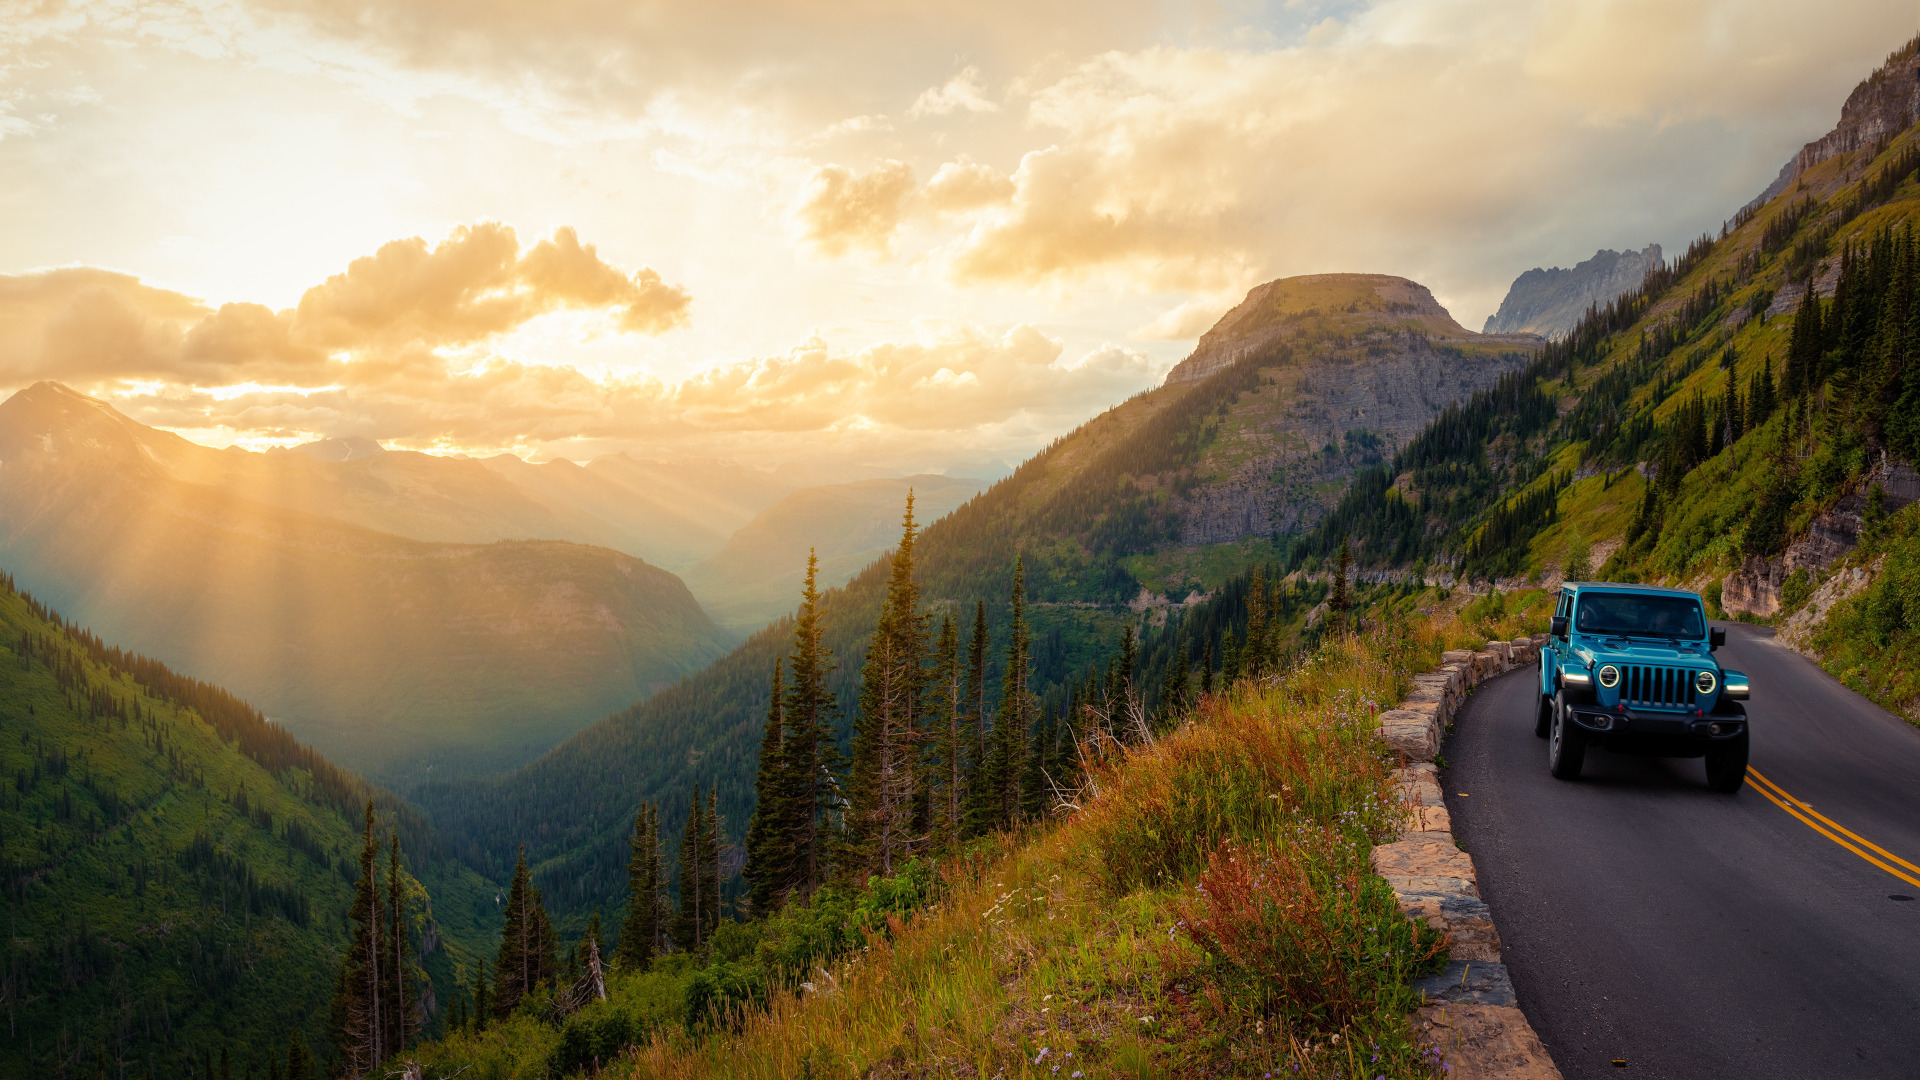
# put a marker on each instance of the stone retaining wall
(1472, 1015)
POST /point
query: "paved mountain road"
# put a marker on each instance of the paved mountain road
(1697, 935)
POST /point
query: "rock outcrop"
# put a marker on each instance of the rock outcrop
(1883, 105)
(1755, 587)
(1550, 302)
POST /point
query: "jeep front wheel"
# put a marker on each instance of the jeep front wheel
(1566, 749)
(1727, 765)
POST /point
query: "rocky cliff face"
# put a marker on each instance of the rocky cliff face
(1550, 302)
(1883, 105)
(1355, 366)
(1303, 435)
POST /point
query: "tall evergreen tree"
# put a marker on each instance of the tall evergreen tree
(1007, 750)
(888, 730)
(689, 923)
(299, 1060)
(640, 933)
(397, 992)
(1178, 695)
(526, 944)
(1338, 604)
(712, 851)
(769, 858)
(482, 1008)
(948, 775)
(1760, 397)
(358, 1015)
(810, 756)
(977, 646)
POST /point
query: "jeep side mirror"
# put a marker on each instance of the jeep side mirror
(1557, 626)
(1716, 637)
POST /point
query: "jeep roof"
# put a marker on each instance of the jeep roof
(1620, 586)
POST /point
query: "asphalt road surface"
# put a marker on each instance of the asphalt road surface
(1694, 935)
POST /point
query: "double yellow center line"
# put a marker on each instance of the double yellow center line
(1827, 827)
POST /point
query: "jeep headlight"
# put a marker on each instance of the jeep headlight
(1705, 682)
(1609, 676)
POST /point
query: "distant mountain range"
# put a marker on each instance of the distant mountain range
(1551, 302)
(391, 650)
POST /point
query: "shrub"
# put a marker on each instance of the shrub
(1250, 764)
(1308, 931)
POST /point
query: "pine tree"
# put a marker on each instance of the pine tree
(887, 731)
(526, 944)
(809, 755)
(482, 1010)
(1338, 604)
(689, 922)
(712, 849)
(768, 857)
(1178, 695)
(358, 1013)
(641, 930)
(1760, 398)
(299, 1061)
(1008, 747)
(397, 992)
(948, 775)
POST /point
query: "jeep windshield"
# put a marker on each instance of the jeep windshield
(1637, 615)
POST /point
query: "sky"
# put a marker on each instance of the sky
(853, 234)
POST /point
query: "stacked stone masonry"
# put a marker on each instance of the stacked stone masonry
(1471, 1015)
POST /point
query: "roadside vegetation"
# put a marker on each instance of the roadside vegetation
(1197, 902)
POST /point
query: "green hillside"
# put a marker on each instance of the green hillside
(1745, 424)
(177, 870)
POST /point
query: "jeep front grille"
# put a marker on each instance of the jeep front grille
(1645, 685)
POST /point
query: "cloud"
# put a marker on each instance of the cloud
(962, 93)
(841, 210)
(397, 348)
(387, 313)
(474, 285)
(966, 185)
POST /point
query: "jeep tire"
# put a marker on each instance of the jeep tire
(1566, 748)
(1727, 765)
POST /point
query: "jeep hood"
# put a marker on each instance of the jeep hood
(1644, 652)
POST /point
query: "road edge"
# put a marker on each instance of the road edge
(1472, 1015)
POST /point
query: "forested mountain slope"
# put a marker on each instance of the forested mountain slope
(393, 654)
(176, 869)
(1745, 423)
(1151, 493)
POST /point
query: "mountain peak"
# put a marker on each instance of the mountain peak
(1551, 302)
(351, 448)
(1346, 301)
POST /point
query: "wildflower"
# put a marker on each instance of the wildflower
(1043, 1054)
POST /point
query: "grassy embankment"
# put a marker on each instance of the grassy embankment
(1207, 909)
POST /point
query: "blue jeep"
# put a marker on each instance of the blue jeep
(1631, 668)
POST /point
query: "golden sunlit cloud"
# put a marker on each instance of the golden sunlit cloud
(851, 171)
(841, 210)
